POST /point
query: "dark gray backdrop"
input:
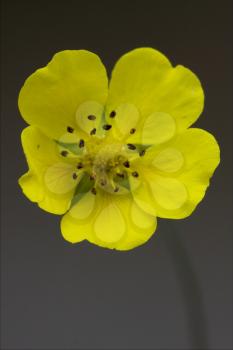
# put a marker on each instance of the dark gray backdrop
(176, 290)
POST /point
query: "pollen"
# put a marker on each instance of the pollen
(81, 143)
(126, 164)
(93, 131)
(64, 153)
(131, 146)
(70, 129)
(79, 166)
(93, 190)
(112, 114)
(142, 152)
(91, 117)
(135, 174)
(107, 127)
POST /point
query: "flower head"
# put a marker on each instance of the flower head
(113, 159)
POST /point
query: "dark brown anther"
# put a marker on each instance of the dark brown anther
(131, 146)
(93, 190)
(92, 177)
(116, 189)
(142, 152)
(107, 127)
(121, 175)
(70, 129)
(112, 114)
(126, 164)
(64, 153)
(135, 174)
(103, 182)
(91, 117)
(132, 131)
(74, 176)
(93, 131)
(79, 166)
(81, 143)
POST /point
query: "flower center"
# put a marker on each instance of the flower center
(107, 165)
(104, 158)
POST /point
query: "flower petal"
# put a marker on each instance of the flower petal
(176, 194)
(144, 77)
(169, 160)
(58, 178)
(89, 116)
(114, 221)
(158, 128)
(45, 182)
(110, 225)
(124, 122)
(169, 193)
(50, 96)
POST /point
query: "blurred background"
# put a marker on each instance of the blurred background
(174, 292)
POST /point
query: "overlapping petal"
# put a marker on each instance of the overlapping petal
(176, 175)
(49, 180)
(108, 221)
(145, 78)
(50, 97)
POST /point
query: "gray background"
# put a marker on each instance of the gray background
(175, 291)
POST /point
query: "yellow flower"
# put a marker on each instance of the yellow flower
(113, 159)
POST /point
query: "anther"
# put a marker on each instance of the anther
(131, 146)
(112, 114)
(142, 152)
(103, 182)
(92, 177)
(126, 164)
(70, 129)
(91, 117)
(116, 189)
(132, 131)
(107, 127)
(79, 166)
(93, 190)
(74, 176)
(135, 174)
(93, 131)
(64, 153)
(121, 175)
(81, 143)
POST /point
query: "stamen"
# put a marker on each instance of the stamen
(131, 146)
(91, 117)
(132, 131)
(81, 143)
(121, 175)
(93, 131)
(135, 174)
(79, 166)
(74, 176)
(92, 177)
(142, 152)
(70, 129)
(112, 114)
(107, 127)
(126, 164)
(103, 182)
(116, 189)
(93, 190)
(64, 153)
